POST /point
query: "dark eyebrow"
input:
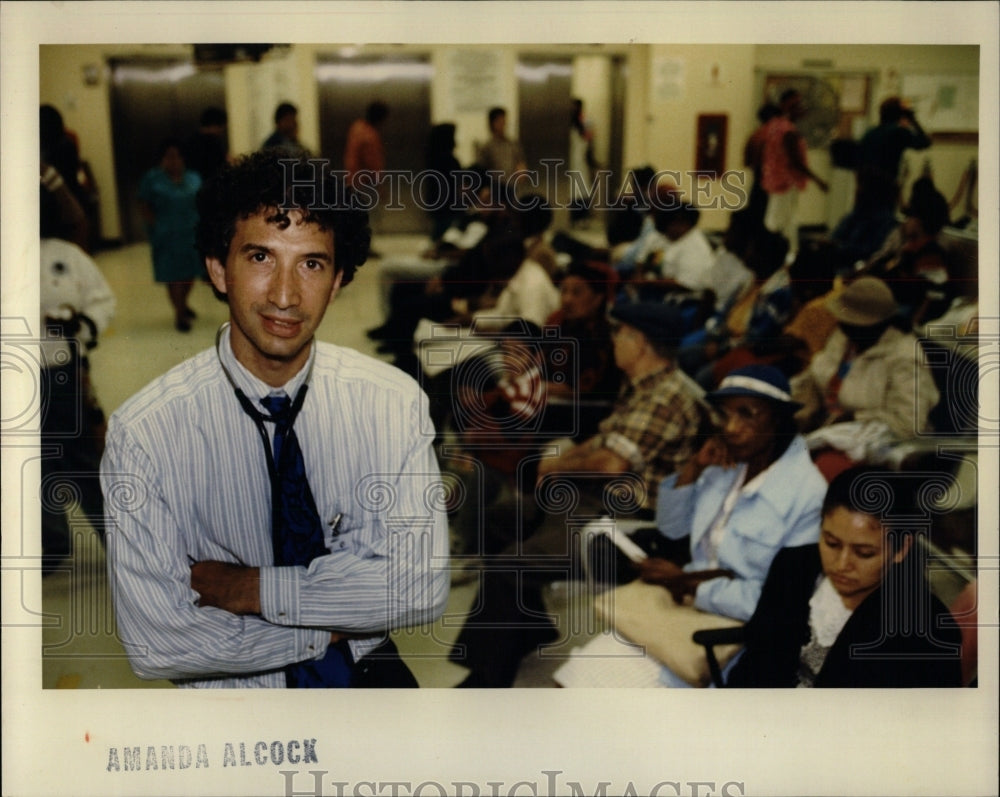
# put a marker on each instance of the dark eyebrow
(317, 256)
(252, 247)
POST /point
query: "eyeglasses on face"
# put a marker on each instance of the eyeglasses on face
(742, 414)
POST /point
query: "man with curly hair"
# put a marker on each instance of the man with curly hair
(235, 566)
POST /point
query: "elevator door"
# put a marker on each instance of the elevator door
(619, 87)
(152, 100)
(544, 92)
(346, 86)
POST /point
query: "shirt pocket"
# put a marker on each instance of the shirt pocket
(336, 528)
(750, 544)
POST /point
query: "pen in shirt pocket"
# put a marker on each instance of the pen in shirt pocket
(335, 524)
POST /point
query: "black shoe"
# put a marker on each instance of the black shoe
(383, 332)
(189, 314)
(182, 325)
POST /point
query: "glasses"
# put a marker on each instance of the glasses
(742, 415)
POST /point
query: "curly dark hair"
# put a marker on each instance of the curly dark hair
(273, 183)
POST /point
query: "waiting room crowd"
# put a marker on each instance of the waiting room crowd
(734, 405)
(709, 393)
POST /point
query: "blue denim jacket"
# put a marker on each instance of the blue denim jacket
(780, 510)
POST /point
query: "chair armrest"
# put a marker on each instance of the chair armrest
(709, 638)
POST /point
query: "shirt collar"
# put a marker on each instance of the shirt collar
(771, 484)
(651, 378)
(250, 384)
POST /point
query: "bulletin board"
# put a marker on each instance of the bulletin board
(947, 106)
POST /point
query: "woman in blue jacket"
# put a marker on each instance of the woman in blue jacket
(751, 490)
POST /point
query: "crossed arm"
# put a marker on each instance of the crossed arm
(181, 620)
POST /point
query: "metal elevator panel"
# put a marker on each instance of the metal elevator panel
(545, 91)
(616, 144)
(151, 100)
(544, 87)
(346, 86)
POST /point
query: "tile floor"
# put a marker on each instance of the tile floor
(80, 648)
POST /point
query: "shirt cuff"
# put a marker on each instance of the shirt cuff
(311, 643)
(279, 594)
(626, 449)
(702, 596)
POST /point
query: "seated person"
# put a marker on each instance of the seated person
(926, 202)
(755, 312)
(404, 274)
(529, 293)
(499, 403)
(785, 328)
(76, 305)
(918, 271)
(496, 281)
(684, 261)
(578, 368)
(863, 230)
(652, 428)
(869, 387)
(854, 610)
(536, 387)
(770, 295)
(748, 492)
(729, 276)
(628, 256)
(583, 378)
(403, 278)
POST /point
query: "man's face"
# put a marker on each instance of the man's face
(289, 125)
(578, 299)
(279, 283)
(628, 343)
(499, 125)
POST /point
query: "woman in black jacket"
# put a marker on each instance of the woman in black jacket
(854, 610)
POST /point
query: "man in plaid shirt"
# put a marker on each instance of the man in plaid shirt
(651, 430)
(653, 426)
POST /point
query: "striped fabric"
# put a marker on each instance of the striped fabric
(185, 479)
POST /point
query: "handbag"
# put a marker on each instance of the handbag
(647, 615)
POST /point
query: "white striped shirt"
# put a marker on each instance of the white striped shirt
(185, 480)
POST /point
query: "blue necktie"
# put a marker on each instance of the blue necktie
(298, 535)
